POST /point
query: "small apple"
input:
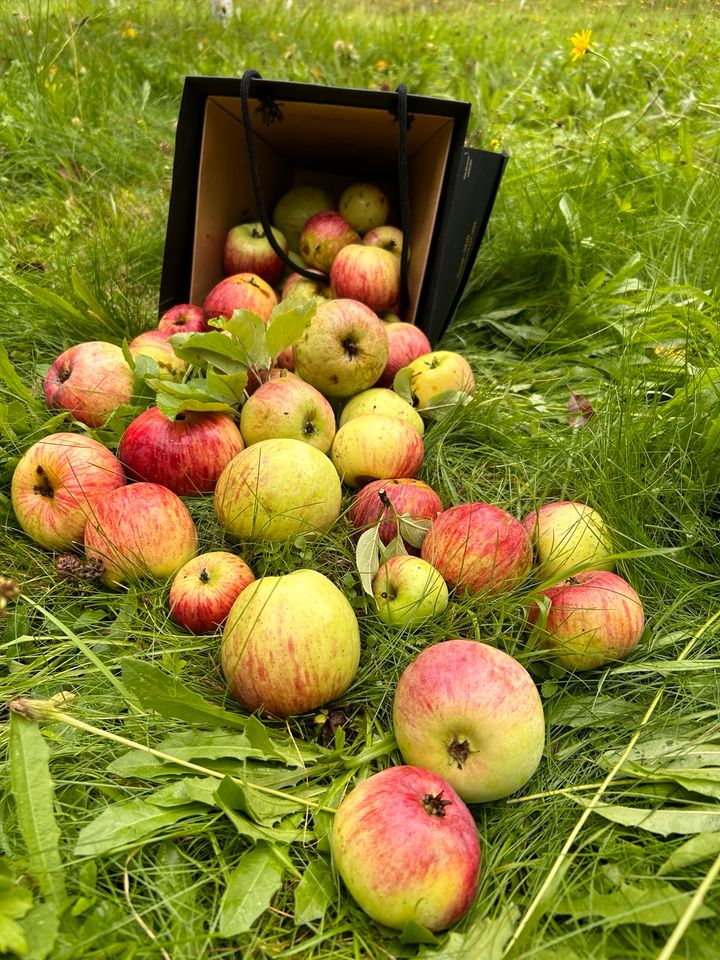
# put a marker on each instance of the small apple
(322, 238)
(408, 590)
(183, 318)
(565, 534)
(387, 237)
(479, 548)
(294, 209)
(140, 530)
(241, 291)
(437, 372)
(298, 287)
(406, 343)
(55, 486)
(595, 618)
(368, 274)
(156, 345)
(291, 644)
(407, 848)
(205, 588)
(384, 401)
(288, 408)
(472, 714)
(277, 489)
(385, 500)
(376, 447)
(364, 206)
(343, 349)
(186, 453)
(90, 380)
(248, 250)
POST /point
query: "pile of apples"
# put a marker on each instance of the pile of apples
(467, 717)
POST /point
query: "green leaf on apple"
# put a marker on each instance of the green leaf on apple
(228, 386)
(402, 384)
(247, 337)
(287, 321)
(194, 395)
(212, 348)
(395, 548)
(367, 556)
(413, 530)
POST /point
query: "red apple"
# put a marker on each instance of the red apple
(186, 454)
(407, 848)
(387, 237)
(406, 343)
(479, 548)
(368, 274)
(205, 588)
(248, 250)
(241, 291)
(56, 484)
(472, 714)
(183, 318)
(90, 380)
(288, 408)
(405, 496)
(140, 530)
(373, 447)
(595, 618)
(323, 236)
(156, 345)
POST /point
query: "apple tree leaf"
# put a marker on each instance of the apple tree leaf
(195, 394)
(315, 892)
(247, 336)
(367, 556)
(402, 384)
(396, 548)
(414, 932)
(413, 530)
(254, 882)
(210, 349)
(229, 386)
(287, 321)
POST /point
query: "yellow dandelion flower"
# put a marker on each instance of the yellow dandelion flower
(495, 143)
(381, 65)
(580, 44)
(129, 32)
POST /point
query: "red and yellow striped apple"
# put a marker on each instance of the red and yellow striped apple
(205, 588)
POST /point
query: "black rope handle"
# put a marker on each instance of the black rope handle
(404, 186)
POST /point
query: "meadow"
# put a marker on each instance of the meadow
(595, 289)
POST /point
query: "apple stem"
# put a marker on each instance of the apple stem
(435, 805)
(459, 751)
(204, 576)
(43, 487)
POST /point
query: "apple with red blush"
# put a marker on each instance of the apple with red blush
(240, 291)
(156, 345)
(368, 274)
(323, 237)
(406, 343)
(375, 447)
(247, 249)
(383, 501)
(183, 318)
(205, 588)
(90, 381)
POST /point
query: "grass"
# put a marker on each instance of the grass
(597, 278)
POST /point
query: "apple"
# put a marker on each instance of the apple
(595, 618)
(205, 588)
(479, 548)
(291, 644)
(407, 848)
(288, 408)
(472, 714)
(364, 206)
(90, 380)
(277, 489)
(298, 287)
(156, 345)
(368, 274)
(437, 372)
(566, 534)
(186, 453)
(140, 530)
(343, 349)
(241, 291)
(294, 209)
(406, 343)
(408, 590)
(383, 500)
(183, 318)
(376, 447)
(384, 401)
(259, 375)
(55, 486)
(322, 238)
(248, 250)
(387, 237)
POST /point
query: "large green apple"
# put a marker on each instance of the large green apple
(440, 371)
(566, 534)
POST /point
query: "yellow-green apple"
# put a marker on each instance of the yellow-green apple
(296, 206)
(408, 590)
(376, 447)
(277, 489)
(385, 401)
(298, 287)
(406, 343)
(140, 530)
(479, 548)
(387, 237)
(186, 453)
(595, 618)
(156, 345)
(288, 407)
(240, 291)
(565, 534)
(291, 644)
(55, 486)
(383, 501)
(205, 588)
(183, 318)
(259, 375)
(323, 237)
(248, 250)
(407, 849)
(343, 349)
(364, 206)
(472, 714)
(368, 274)
(90, 380)
(438, 372)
